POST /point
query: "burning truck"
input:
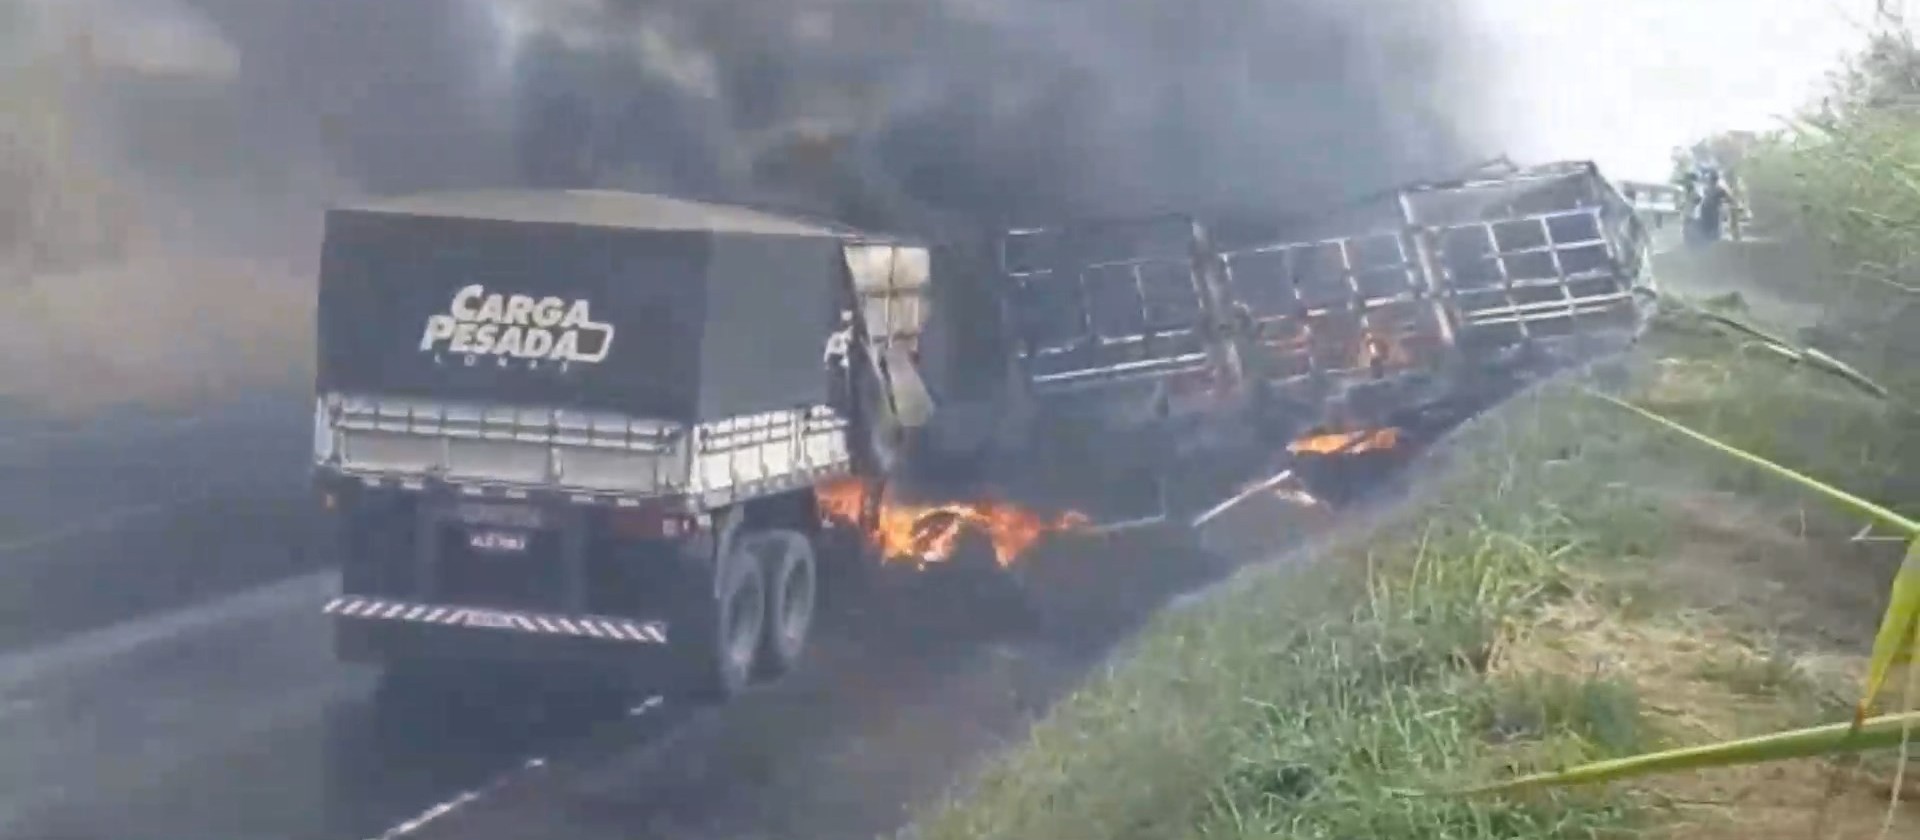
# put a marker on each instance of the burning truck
(632, 433)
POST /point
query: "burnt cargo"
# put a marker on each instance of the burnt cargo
(1443, 296)
(643, 305)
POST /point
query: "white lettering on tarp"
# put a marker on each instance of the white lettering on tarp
(480, 323)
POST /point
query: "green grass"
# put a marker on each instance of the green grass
(1762, 674)
(1584, 717)
(1804, 419)
(1300, 704)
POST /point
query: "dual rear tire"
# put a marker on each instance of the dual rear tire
(760, 615)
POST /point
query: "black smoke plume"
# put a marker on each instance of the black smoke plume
(994, 110)
(878, 109)
(196, 130)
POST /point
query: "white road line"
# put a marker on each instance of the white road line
(494, 785)
(464, 799)
(92, 648)
(101, 522)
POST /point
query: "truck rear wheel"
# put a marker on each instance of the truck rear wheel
(792, 582)
(727, 634)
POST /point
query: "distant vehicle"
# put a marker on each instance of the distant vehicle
(630, 433)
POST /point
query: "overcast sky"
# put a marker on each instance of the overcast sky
(1624, 81)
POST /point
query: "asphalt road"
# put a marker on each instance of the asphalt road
(229, 719)
(134, 511)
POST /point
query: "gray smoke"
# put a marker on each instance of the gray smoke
(994, 109)
(331, 97)
(883, 110)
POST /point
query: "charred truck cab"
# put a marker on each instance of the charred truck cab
(586, 427)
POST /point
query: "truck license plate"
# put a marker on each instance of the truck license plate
(491, 541)
(494, 620)
(515, 517)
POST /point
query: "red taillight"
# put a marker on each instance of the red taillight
(646, 523)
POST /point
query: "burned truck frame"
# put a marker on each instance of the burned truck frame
(1166, 353)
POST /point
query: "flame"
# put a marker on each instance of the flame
(929, 533)
(1346, 442)
(1382, 353)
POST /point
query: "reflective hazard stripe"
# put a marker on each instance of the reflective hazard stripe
(381, 609)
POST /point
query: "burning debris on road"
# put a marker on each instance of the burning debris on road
(924, 534)
(928, 534)
(1346, 443)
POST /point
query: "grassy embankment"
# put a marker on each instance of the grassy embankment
(1570, 583)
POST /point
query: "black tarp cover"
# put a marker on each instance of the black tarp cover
(599, 301)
